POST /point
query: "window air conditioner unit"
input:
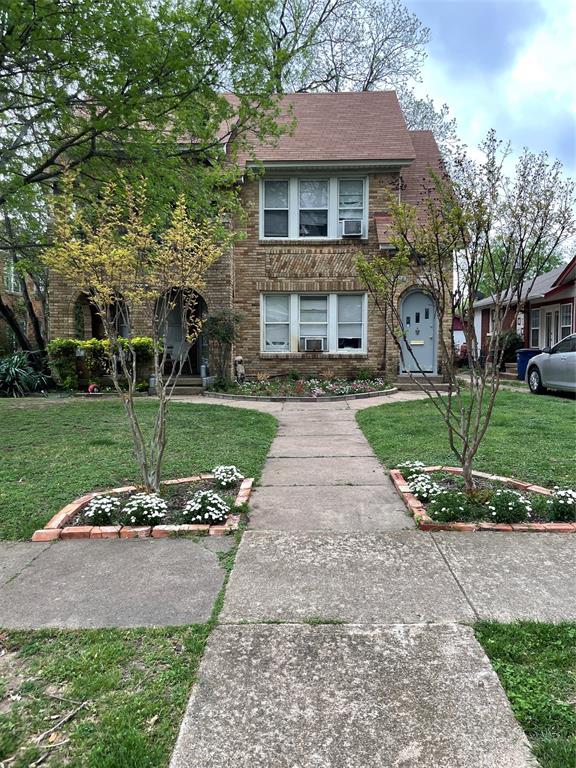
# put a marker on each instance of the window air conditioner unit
(313, 344)
(351, 227)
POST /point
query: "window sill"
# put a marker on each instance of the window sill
(311, 240)
(312, 355)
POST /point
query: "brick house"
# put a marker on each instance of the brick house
(319, 200)
(548, 314)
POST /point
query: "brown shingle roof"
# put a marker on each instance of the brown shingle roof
(362, 127)
(415, 177)
(415, 180)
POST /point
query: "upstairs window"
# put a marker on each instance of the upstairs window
(11, 277)
(276, 209)
(311, 208)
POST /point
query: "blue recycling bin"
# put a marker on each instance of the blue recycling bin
(522, 358)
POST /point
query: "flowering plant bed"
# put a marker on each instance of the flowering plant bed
(436, 498)
(312, 388)
(204, 504)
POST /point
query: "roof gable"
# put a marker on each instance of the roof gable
(358, 127)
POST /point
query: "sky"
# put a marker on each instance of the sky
(508, 65)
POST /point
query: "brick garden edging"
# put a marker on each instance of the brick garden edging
(58, 526)
(425, 523)
(297, 398)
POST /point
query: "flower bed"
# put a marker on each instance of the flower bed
(204, 504)
(312, 388)
(436, 498)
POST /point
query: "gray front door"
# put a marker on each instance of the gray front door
(418, 322)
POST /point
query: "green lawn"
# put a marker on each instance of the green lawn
(536, 664)
(52, 452)
(531, 438)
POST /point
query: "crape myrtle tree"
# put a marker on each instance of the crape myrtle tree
(130, 262)
(85, 85)
(483, 227)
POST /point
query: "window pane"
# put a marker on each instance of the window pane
(351, 193)
(351, 213)
(313, 329)
(313, 309)
(277, 336)
(566, 315)
(349, 309)
(535, 318)
(313, 194)
(563, 346)
(275, 194)
(313, 223)
(565, 331)
(535, 339)
(277, 309)
(350, 335)
(276, 224)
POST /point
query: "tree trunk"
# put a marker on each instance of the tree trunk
(8, 314)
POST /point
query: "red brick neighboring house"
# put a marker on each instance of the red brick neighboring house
(548, 314)
(319, 200)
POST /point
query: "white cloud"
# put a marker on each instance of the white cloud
(529, 102)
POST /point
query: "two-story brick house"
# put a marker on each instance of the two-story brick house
(319, 200)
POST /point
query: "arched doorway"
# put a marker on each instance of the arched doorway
(174, 307)
(419, 324)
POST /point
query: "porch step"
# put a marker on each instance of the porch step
(406, 385)
(509, 374)
(180, 390)
(189, 381)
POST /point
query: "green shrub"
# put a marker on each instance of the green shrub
(62, 361)
(18, 377)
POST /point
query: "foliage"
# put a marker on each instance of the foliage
(445, 247)
(502, 506)
(509, 343)
(424, 487)
(144, 509)
(44, 440)
(135, 684)
(102, 510)
(95, 356)
(536, 664)
(528, 438)
(561, 506)
(206, 507)
(312, 387)
(222, 331)
(93, 85)
(116, 250)
(18, 377)
(227, 476)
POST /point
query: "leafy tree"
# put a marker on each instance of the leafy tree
(86, 85)
(446, 247)
(221, 329)
(124, 257)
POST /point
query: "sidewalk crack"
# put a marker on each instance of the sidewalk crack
(456, 579)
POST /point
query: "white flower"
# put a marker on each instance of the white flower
(227, 476)
(206, 505)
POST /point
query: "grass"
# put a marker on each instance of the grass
(536, 664)
(127, 690)
(53, 451)
(530, 438)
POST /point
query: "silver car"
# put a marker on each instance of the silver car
(554, 368)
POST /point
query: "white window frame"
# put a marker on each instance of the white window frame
(265, 323)
(332, 325)
(533, 314)
(11, 278)
(568, 325)
(334, 227)
(264, 208)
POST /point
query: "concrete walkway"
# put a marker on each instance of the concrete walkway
(343, 640)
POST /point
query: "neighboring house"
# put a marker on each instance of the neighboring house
(548, 313)
(319, 201)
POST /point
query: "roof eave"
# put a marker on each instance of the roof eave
(311, 164)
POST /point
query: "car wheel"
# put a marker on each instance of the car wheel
(535, 381)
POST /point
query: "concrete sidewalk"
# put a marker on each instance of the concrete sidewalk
(109, 583)
(403, 682)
